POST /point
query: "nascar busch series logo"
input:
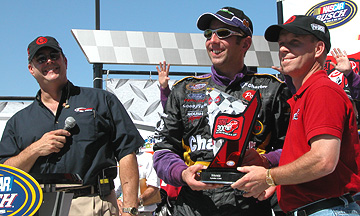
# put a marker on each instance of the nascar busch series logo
(20, 194)
(334, 13)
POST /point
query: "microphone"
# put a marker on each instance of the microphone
(70, 122)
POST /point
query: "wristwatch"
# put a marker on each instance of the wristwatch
(131, 210)
(269, 179)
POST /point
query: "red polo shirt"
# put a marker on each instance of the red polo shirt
(319, 107)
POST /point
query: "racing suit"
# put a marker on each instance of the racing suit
(185, 136)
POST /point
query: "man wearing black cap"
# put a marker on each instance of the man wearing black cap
(185, 144)
(320, 162)
(35, 139)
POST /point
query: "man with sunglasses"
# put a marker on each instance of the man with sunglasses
(185, 145)
(35, 139)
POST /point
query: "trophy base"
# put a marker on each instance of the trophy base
(220, 177)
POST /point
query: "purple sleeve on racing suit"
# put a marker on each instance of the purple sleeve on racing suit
(273, 157)
(164, 94)
(169, 167)
(289, 83)
(354, 84)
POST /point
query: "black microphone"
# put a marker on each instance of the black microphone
(70, 122)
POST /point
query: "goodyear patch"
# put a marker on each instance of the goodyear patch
(20, 193)
(334, 13)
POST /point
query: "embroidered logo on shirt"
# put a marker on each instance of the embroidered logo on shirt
(196, 86)
(258, 128)
(296, 115)
(248, 95)
(199, 96)
(83, 109)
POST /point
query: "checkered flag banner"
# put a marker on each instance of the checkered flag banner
(150, 48)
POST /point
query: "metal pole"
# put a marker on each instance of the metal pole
(97, 14)
(280, 15)
(97, 67)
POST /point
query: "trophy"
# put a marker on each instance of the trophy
(232, 132)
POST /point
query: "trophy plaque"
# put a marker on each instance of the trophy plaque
(233, 132)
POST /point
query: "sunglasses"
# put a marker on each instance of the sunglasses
(222, 33)
(42, 58)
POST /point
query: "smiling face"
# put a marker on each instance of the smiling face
(297, 53)
(227, 55)
(48, 67)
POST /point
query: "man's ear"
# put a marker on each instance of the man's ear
(247, 43)
(319, 48)
(31, 68)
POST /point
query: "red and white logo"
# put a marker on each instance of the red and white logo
(83, 109)
(214, 100)
(248, 95)
(228, 127)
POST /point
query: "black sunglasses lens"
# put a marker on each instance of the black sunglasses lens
(208, 33)
(41, 59)
(223, 33)
(54, 56)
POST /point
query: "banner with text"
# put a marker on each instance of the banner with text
(342, 19)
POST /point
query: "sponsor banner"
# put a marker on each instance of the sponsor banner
(20, 193)
(342, 19)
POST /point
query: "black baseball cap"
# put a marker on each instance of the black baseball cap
(301, 25)
(230, 16)
(40, 42)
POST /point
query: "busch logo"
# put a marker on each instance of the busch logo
(20, 193)
(333, 13)
(7, 199)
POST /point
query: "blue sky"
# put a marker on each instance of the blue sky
(23, 20)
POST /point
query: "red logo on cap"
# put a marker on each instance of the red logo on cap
(290, 20)
(41, 40)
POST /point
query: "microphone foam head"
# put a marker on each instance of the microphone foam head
(70, 122)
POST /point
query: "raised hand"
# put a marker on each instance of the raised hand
(163, 72)
(342, 63)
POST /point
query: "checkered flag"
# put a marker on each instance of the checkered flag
(224, 103)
